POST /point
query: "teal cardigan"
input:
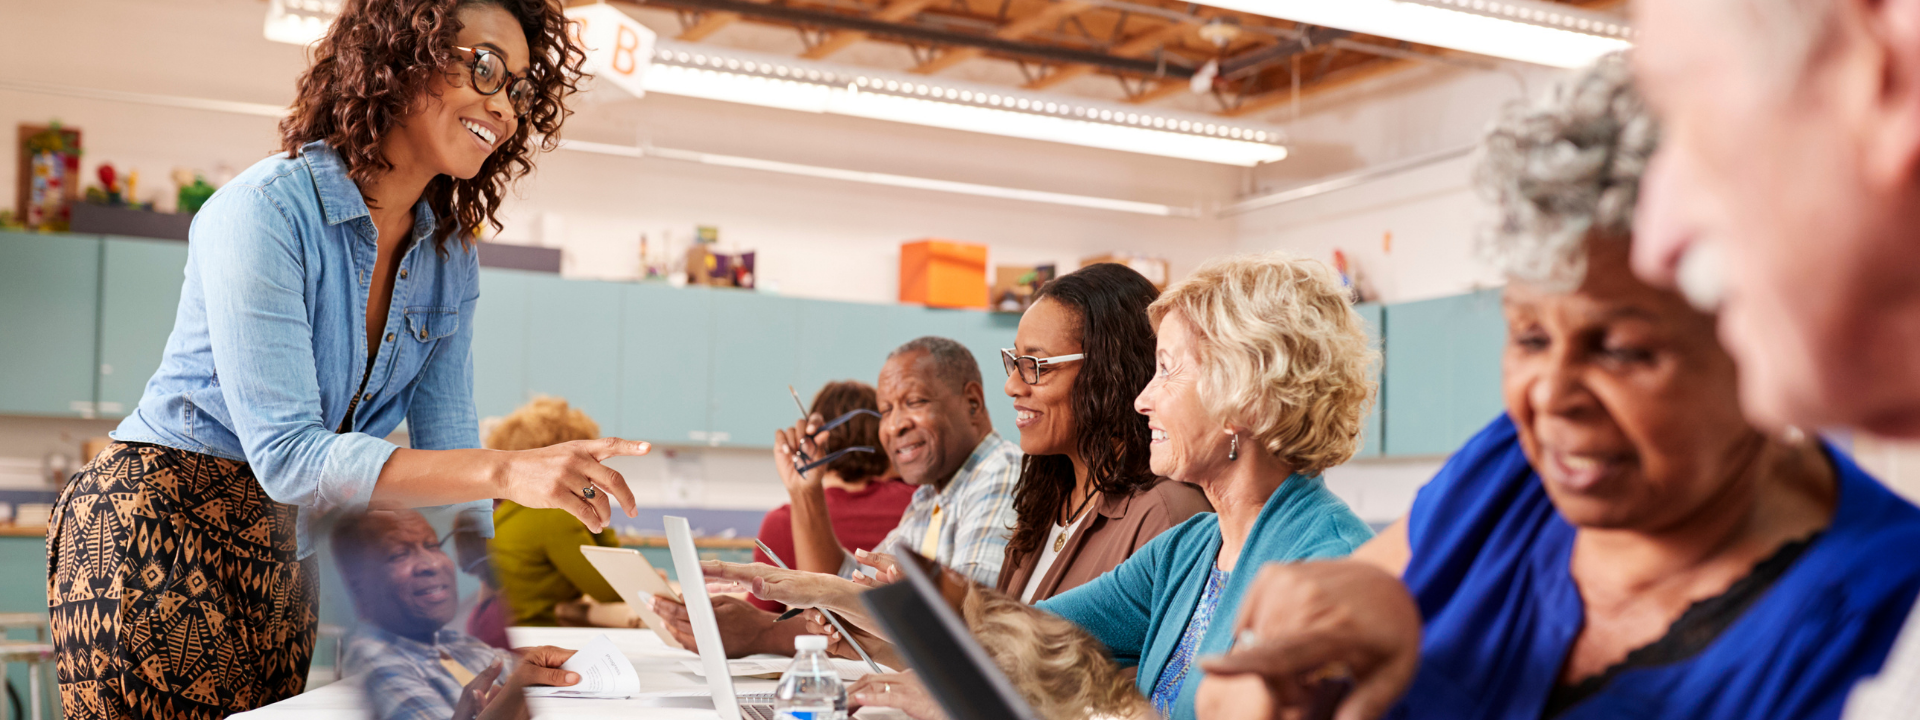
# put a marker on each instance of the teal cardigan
(1140, 609)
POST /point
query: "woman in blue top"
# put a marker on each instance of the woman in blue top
(1622, 543)
(329, 295)
(1260, 383)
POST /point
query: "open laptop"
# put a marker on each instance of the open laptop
(935, 641)
(706, 630)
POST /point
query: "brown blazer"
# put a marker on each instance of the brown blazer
(1120, 527)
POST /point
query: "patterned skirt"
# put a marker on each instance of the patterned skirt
(174, 588)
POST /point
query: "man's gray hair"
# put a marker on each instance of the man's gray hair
(952, 362)
(1562, 169)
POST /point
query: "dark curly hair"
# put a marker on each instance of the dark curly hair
(839, 398)
(381, 56)
(1109, 302)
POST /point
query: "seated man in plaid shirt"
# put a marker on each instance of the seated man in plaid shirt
(416, 667)
(935, 429)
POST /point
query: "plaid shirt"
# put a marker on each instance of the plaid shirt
(975, 514)
(405, 680)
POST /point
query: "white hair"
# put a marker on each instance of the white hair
(1562, 169)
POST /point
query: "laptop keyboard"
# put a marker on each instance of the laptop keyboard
(756, 712)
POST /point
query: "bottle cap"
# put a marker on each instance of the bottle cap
(809, 642)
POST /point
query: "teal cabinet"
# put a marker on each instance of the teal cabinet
(139, 298)
(500, 343)
(1443, 374)
(665, 363)
(1371, 444)
(755, 339)
(49, 315)
(573, 344)
(985, 334)
(840, 341)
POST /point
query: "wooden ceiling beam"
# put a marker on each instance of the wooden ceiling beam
(1166, 88)
(1054, 13)
(1135, 46)
(1335, 80)
(709, 24)
(896, 11)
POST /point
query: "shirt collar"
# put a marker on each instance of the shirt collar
(441, 638)
(340, 198)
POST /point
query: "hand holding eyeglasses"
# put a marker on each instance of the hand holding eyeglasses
(792, 448)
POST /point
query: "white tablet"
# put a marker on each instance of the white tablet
(635, 579)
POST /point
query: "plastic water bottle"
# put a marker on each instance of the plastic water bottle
(810, 689)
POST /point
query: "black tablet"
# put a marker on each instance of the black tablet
(935, 641)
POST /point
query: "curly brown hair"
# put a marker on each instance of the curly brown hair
(839, 398)
(382, 56)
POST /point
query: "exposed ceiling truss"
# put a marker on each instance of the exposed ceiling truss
(1151, 48)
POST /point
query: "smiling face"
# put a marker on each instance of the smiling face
(454, 132)
(1796, 164)
(1044, 410)
(927, 425)
(1188, 444)
(1625, 404)
(400, 577)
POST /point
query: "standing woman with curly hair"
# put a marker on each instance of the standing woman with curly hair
(329, 295)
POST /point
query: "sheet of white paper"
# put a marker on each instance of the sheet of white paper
(605, 673)
(772, 668)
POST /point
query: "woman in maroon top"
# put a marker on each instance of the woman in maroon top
(863, 502)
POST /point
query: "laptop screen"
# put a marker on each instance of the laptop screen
(933, 638)
(706, 628)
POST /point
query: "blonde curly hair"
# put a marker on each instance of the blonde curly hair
(1282, 352)
(1060, 669)
(541, 422)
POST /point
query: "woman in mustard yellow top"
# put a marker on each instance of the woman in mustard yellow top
(537, 562)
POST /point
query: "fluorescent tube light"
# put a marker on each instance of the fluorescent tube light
(873, 178)
(300, 22)
(1525, 30)
(778, 82)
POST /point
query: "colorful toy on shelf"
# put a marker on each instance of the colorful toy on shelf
(49, 178)
(194, 190)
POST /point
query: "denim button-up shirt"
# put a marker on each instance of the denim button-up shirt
(269, 344)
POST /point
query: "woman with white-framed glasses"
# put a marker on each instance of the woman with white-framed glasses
(329, 295)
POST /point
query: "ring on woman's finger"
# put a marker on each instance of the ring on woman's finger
(886, 688)
(588, 492)
(1246, 640)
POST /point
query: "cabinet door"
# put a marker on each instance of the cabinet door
(139, 299)
(1444, 371)
(1370, 440)
(500, 343)
(573, 344)
(665, 363)
(841, 341)
(756, 341)
(49, 315)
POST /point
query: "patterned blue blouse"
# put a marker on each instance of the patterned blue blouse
(1167, 689)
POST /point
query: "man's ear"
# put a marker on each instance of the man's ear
(1890, 30)
(976, 398)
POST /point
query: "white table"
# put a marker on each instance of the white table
(660, 669)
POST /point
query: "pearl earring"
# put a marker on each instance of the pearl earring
(1233, 449)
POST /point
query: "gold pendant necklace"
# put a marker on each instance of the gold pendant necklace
(1060, 541)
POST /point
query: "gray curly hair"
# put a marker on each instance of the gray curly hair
(1562, 169)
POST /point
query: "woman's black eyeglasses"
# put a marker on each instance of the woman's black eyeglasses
(488, 72)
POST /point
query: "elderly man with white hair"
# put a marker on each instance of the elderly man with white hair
(1787, 197)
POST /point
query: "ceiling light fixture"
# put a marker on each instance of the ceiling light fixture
(1526, 30)
(769, 81)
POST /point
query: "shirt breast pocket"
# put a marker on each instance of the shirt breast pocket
(427, 325)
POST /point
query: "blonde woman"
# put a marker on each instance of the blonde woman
(1260, 383)
(536, 551)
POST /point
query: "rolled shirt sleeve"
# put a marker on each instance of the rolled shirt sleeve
(252, 272)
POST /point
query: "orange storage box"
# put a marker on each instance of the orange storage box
(941, 273)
